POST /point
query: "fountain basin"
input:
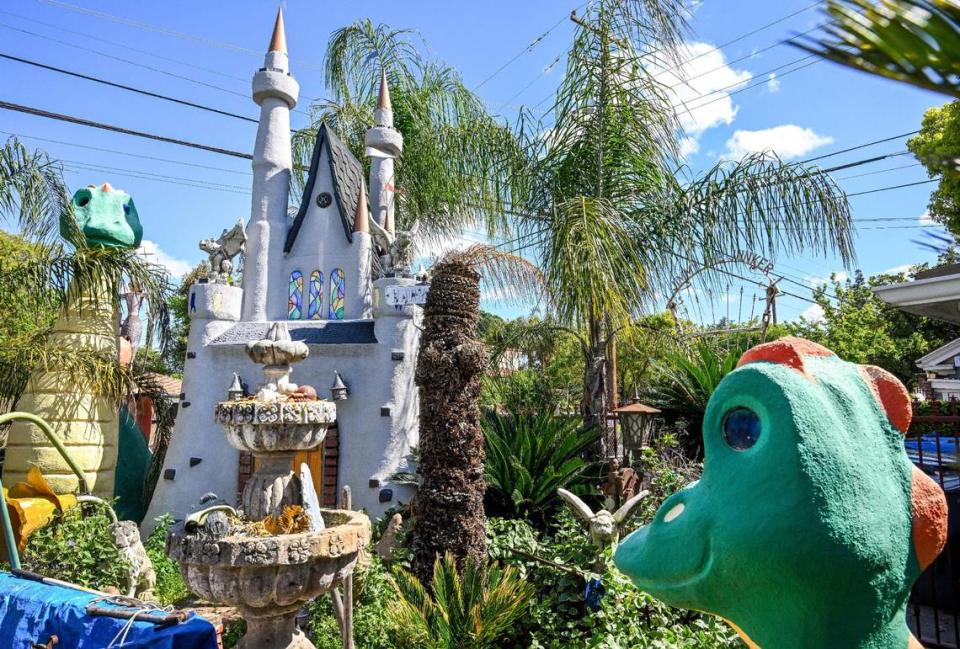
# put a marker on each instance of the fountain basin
(278, 426)
(269, 578)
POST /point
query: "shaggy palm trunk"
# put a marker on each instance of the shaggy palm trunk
(448, 510)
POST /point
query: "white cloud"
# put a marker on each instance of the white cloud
(154, 254)
(689, 146)
(773, 82)
(925, 219)
(815, 281)
(699, 88)
(896, 270)
(433, 248)
(787, 140)
(813, 314)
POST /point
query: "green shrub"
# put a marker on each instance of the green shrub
(528, 458)
(75, 546)
(371, 592)
(170, 587)
(472, 608)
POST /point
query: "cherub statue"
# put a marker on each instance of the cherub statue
(395, 250)
(604, 527)
(222, 251)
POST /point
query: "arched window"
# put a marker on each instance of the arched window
(338, 291)
(315, 310)
(295, 303)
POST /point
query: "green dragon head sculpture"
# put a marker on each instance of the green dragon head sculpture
(105, 216)
(809, 524)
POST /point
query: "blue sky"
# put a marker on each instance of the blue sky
(207, 51)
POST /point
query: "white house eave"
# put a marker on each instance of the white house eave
(936, 297)
(934, 360)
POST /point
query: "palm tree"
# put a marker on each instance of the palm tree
(448, 510)
(911, 41)
(613, 220)
(47, 282)
(459, 166)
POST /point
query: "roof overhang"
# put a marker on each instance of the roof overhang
(934, 297)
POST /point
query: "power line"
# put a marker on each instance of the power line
(529, 48)
(127, 46)
(99, 167)
(121, 86)
(118, 129)
(166, 31)
(125, 153)
(762, 82)
(858, 147)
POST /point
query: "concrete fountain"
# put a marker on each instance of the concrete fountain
(269, 576)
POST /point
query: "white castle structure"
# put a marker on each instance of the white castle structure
(320, 273)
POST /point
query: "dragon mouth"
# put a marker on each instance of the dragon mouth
(678, 582)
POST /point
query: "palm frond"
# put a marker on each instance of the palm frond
(32, 193)
(507, 277)
(911, 41)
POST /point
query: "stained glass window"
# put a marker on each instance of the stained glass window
(338, 291)
(315, 311)
(295, 303)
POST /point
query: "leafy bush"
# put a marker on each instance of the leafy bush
(371, 592)
(76, 547)
(471, 608)
(528, 458)
(170, 587)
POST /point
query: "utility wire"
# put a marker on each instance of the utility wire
(529, 48)
(127, 46)
(121, 86)
(125, 153)
(858, 147)
(118, 129)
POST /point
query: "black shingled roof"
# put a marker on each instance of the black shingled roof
(347, 173)
(312, 332)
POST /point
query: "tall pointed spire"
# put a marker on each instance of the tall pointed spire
(278, 42)
(384, 101)
(360, 223)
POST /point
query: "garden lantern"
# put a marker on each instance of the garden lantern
(636, 425)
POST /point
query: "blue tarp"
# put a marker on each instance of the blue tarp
(30, 612)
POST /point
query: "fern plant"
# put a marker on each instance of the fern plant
(472, 608)
(529, 457)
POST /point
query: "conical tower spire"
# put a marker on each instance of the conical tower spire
(278, 42)
(383, 103)
(360, 222)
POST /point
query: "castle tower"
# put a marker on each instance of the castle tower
(384, 143)
(276, 92)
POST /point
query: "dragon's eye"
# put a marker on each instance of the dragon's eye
(126, 209)
(741, 428)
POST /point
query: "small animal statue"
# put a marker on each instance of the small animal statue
(132, 327)
(222, 251)
(395, 250)
(604, 527)
(141, 578)
(809, 524)
(621, 484)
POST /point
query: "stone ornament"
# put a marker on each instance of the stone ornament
(221, 252)
(604, 527)
(810, 524)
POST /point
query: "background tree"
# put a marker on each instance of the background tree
(862, 328)
(939, 140)
(912, 41)
(611, 215)
(459, 165)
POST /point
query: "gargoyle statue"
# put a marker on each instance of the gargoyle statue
(395, 250)
(604, 527)
(222, 251)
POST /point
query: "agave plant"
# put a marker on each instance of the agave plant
(472, 608)
(686, 382)
(911, 41)
(529, 457)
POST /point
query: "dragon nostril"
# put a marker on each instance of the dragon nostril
(674, 513)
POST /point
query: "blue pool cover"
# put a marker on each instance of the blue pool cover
(30, 612)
